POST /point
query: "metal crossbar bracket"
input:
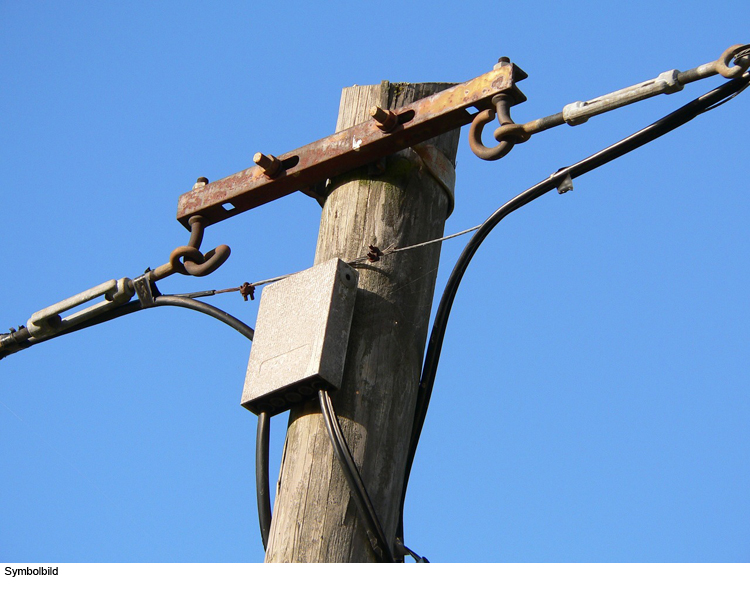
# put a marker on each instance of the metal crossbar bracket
(346, 150)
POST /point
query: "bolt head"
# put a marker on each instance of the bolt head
(503, 61)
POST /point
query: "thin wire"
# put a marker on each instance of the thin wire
(366, 509)
(388, 251)
(421, 244)
(632, 142)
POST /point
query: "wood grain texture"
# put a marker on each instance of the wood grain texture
(315, 519)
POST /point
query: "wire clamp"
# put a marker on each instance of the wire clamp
(375, 253)
(144, 289)
(566, 184)
(247, 290)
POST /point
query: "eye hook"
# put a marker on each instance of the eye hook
(508, 134)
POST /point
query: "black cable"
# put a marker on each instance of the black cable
(214, 312)
(262, 487)
(632, 142)
(356, 485)
(111, 314)
(261, 451)
(135, 306)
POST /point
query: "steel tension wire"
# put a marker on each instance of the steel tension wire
(357, 487)
(632, 142)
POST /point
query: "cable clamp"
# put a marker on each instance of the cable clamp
(566, 184)
(247, 291)
(144, 289)
(375, 253)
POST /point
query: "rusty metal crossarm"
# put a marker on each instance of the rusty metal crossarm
(351, 148)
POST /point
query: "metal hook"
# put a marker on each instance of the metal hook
(508, 134)
(193, 261)
(736, 53)
(197, 264)
(197, 223)
(213, 259)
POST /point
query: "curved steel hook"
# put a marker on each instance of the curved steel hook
(194, 262)
(213, 259)
(508, 134)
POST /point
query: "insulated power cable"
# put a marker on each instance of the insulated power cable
(366, 509)
(657, 129)
(161, 300)
(262, 453)
(262, 486)
(208, 309)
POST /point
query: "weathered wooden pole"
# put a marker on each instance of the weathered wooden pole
(315, 517)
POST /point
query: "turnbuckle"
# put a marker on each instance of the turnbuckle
(187, 260)
(509, 134)
(48, 321)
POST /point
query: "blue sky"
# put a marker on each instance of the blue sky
(592, 403)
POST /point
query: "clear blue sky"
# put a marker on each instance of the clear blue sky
(593, 399)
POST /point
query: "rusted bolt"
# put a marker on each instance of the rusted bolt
(387, 120)
(270, 164)
(501, 63)
(201, 182)
(378, 114)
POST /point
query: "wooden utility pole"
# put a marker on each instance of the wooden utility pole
(315, 517)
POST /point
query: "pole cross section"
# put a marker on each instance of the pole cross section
(311, 165)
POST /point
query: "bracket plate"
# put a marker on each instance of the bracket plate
(349, 149)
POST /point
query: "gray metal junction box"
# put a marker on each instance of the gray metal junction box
(301, 337)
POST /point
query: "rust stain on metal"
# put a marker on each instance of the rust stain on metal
(348, 149)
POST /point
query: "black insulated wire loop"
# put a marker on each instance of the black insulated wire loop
(661, 127)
